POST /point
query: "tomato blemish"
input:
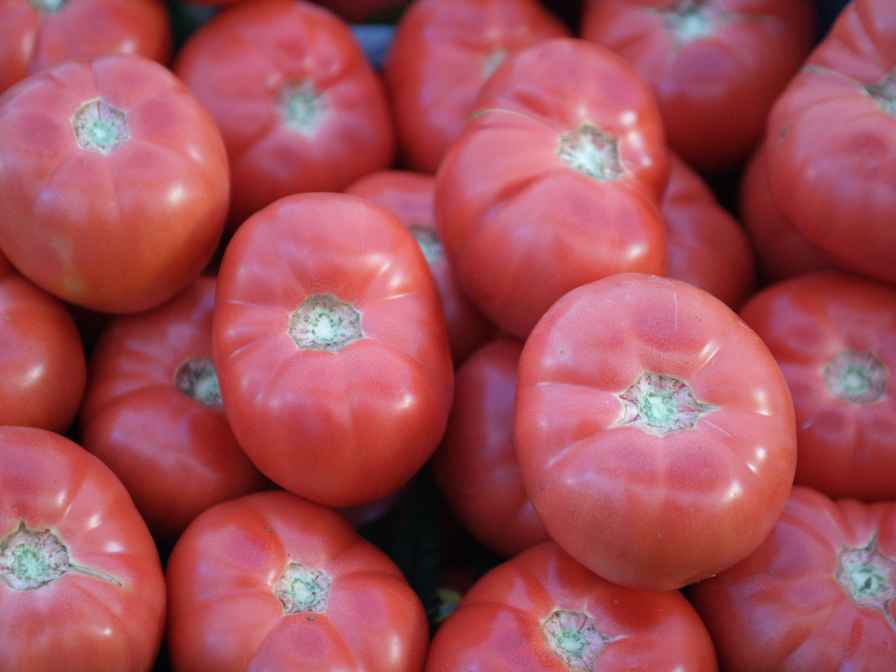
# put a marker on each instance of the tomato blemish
(574, 638)
(303, 590)
(859, 377)
(323, 322)
(198, 379)
(302, 107)
(591, 152)
(658, 405)
(869, 577)
(100, 127)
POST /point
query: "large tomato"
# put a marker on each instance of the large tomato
(442, 55)
(834, 336)
(410, 197)
(717, 66)
(298, 105)
(655, 431)
(819, 594)
(271, 582)
(81, 587)
(331, 348)
(553, 184)
(831, 147)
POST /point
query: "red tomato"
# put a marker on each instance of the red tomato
(706, 247)
(410, 197)
(819, 594)
(717, 66)
(442, 55)
(553, 186)
(476, 467)
(331, 348)
(298, 105)
(655, 431)
(834, 336)
(270, 582)
(40, 34)
(114, 183)
(544, 612)
(153, 413)
(360, 10)
(81, 587)
(42, 370)
(832, 143)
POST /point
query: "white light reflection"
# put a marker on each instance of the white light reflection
(734, 491)
(760, 398)
(760, 454)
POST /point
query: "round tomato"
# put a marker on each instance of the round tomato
(410, 197)
(819, 594)
(553, 186)
(831, 148)
(834, 336)
(298, 105)
(271, 582)
(716, 66)
(81, 587)
(442, 55)
(331, 348)
(655, 431)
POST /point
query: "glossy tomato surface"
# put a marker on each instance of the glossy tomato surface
(81, 587)
(442, 55)
(298, 105)
(834, 336)
(331, 348)
(553, 184)
(819, 594)
(271, 582)
(655, 431)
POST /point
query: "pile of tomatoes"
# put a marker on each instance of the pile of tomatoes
(257, 294)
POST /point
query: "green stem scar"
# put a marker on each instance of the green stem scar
(48, 6)
(658, 405)
(689, 20)
(869, 578)
(574, 638)
(591, 152)
(198, 379)
(429, 243)
(323, 322)
(303, 590)
(859, 377)
(884, 92)
(100, 127)
(302, 107)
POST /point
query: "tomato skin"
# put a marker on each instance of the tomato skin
(241, 65)
(442, 54)
(347, 427)
(226, 617)
(715, 90)
(783, 609)
(90, 622)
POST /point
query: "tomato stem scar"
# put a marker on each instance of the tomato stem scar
(591, 152)
(859, 377)
(99, 126)
(302, 107)
(198, 379)
(884, 92)
(323, 322)
(658, 404)
(429, 243)
(689, 20)
(303, 590)
(49, 6)
(869, 577)
(575, 639)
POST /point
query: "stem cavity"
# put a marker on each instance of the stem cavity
(869, 578)
(591, 152)
(658, 405)
(100, 127)
(323, 322)
(859, 377)
(689, 21)
(303, 108)
(198, 379)
(303, 590)
(574, 638)
(48, 6)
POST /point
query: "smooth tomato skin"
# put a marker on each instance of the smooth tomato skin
(783, 608)
(715, 90)
(845, 446)
(240, 65)
(92, 623)
(650, 510)
(498, 625)
(442, 54)
(341, 428)
(410, 197)
(226, 617)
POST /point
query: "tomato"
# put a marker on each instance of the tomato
(442, 54)
(476, 467)
(553, 186)
(717, 66)
(832, 143)
(80, 579)
(331, 348)
(271, 582)
(706, 247)
(360, 10)
(298, 105)
(410, 197)
(39, 34)
(819, 594)
(42, 369)
(544, 612)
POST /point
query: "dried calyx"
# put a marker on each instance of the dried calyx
(323, 322)
(574, 638)
(302, 589)
(658, 404)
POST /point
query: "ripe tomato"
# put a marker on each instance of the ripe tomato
(819, 594)
(717, 66)
(834, 336)
(552, 185)
(442, 55)
(81, 587)
(832, 143)
(298, 105)
(153, 413)
(655, 431)
(331, 348)
(544, 612)
(271, 582)
(410, 197)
